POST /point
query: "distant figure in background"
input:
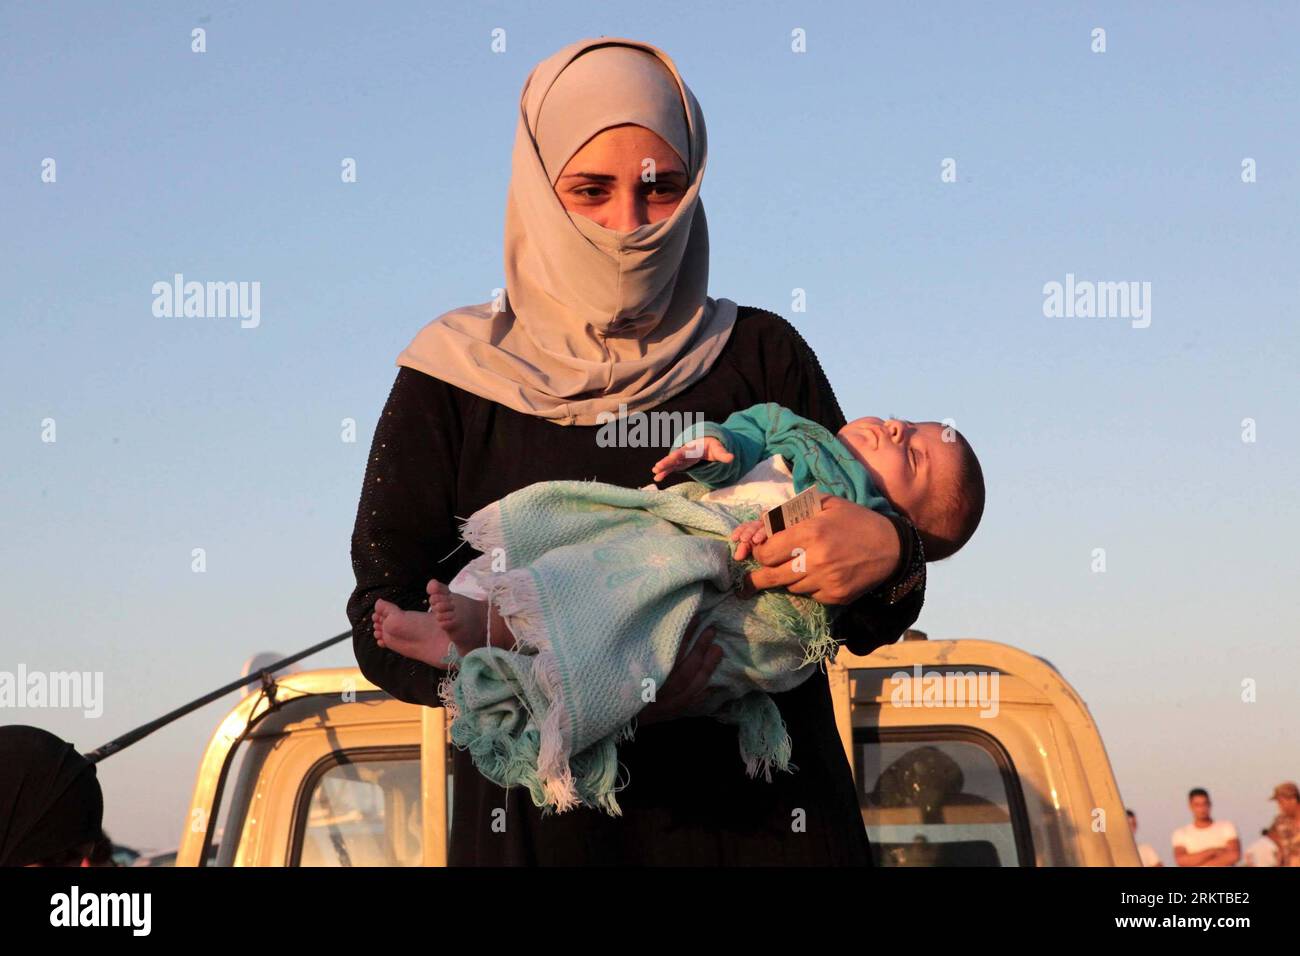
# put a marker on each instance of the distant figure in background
(51, 806)
(1145, 850)
(1286, 827)
(1205, 841)
(1263, 852)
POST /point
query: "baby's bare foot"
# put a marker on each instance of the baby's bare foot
(464, 619)
(419, 635)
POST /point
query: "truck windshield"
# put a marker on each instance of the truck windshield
(363, 812)
(937, 797)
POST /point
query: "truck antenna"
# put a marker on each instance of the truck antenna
(263, 675)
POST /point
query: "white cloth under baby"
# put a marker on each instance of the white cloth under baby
(767, 484)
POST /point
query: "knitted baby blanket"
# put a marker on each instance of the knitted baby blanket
(598, 582)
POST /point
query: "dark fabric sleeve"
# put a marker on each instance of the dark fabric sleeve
(872, 621)
(796, 376)
(405, 524)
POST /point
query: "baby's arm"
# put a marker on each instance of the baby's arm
(742, 440)
(691, 454)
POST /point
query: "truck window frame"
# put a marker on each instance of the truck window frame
(307, 787)
(1017, 808)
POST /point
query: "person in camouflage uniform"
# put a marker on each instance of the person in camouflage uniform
(1285, 830)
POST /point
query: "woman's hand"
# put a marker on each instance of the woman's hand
(684, 686)
(691, 454)
(848, 550)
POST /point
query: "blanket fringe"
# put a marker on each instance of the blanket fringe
(556, 779)
(482, 529)
(446, 694)
(540, 756)
(764, 740)
(810, 621)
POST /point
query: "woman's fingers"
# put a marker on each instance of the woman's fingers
(780, 576)
(687, 666)
(671, 681)
(691, 626)
(700, 676)
(689, 678)
(776, 553)
(687, 663)
(698, 660)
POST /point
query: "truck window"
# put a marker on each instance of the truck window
(364, 809)
(940, 796)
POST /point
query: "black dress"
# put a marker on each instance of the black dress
(439, 454)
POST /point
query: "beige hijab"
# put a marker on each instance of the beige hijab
(591, 318)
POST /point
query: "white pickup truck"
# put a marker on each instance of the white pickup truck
(966, 753)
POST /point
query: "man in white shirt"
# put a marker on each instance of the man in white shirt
(1205, 841)
(1263, 852)
(1146, 852)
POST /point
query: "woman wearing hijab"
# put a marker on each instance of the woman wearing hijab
(50, 802)
(606, 312)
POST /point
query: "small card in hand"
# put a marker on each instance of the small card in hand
(799, 508)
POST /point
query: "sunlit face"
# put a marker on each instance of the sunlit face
(1200, 807)
(908, 461)
(1286, 804)
(603, 179)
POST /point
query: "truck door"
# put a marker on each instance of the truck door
(972, 753)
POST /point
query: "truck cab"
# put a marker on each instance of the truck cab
(965, 753)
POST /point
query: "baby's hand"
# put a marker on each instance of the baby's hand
(749, 534)
(691, 454)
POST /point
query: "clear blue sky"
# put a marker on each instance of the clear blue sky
(924, 300)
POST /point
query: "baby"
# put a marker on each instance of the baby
(925, 471)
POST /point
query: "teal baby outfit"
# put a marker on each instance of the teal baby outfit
(598, 583)
(815, 455)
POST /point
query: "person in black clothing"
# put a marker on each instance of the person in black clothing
(607, 313)
(51, 805)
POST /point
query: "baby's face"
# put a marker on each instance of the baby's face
(906, 460)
